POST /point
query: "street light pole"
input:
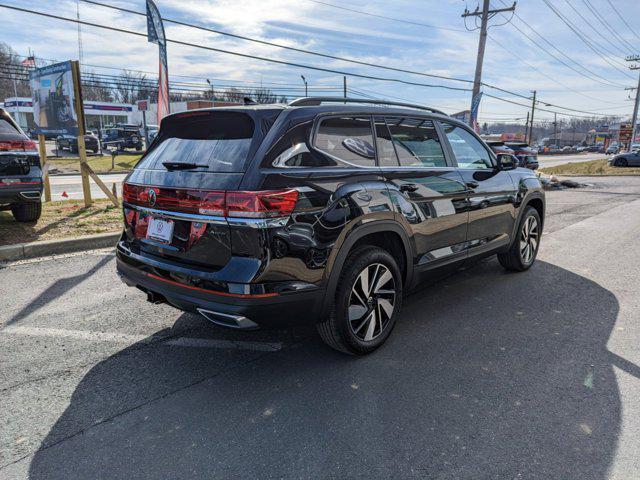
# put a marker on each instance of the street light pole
(306, 86)
(213, 97)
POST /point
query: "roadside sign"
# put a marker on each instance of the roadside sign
(143, 105)
(53, 93)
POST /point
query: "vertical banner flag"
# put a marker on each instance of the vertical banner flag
(473, 120)
(155, 34)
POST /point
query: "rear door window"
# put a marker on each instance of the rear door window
(347, 140)
(416, 142)
(220, 140)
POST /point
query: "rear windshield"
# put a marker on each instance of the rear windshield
(220, 140)
(6, 127)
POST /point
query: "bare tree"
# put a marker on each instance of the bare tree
(130, 87)
(264, 95)
(232, 95)
(14, 76)
(96, 89)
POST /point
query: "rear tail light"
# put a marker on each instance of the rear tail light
(18, 145)
(243, 204)
(261, 204)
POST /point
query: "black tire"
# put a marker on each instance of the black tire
(138, 148)
(73, 149)
(27, 212)
(623, 162)
(337, 330)
(515, 259)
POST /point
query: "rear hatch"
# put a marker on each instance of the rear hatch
(175, 200)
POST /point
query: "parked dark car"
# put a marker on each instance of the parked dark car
(595, 149)
(319, 212)
(527, 156)
(612, 149)
(20, 173)
(70, 143)
(627, 159)
(122, 136)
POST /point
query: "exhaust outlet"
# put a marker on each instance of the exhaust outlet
(227, 320)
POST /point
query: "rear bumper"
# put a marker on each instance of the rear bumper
(20, 193)
(241, 311)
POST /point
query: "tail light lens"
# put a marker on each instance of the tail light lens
(18, 145)
(243, 204)
(261, 204)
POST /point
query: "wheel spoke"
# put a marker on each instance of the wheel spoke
(386, 306)
(383, 280)
(363, 278)
(371, 327)
(363, 323)
(359, 298)
(373, 280)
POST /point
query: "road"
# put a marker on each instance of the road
(72, 186)
(488, 375)
(554, 160)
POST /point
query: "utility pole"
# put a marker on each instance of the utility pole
(344, 87)
(306, 86)
(533, 110)
(634, 58)
(485, 15)
(526, 128)
(555, 130)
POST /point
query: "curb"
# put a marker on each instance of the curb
(21, 251)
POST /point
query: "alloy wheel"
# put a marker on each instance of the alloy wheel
(371, 302)
(529, 238)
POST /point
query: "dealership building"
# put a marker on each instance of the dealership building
(97, 114)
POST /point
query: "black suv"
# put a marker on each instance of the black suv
(121, 136)
(20, 174)
(318, 212)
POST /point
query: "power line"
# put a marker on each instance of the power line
(623, 19)
(520, 59)
(384, 17)
(277, 45)
(574, 29)
(239, 54)
(281, 62)
(596, 30)
(606, 25)
(546, 110)
(594, 75)
(321, 54)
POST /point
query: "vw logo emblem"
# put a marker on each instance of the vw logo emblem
(152, 197)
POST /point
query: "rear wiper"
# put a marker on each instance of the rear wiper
(183, 165)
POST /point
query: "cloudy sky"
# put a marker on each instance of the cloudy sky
(426, 36)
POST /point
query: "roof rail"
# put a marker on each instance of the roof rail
(315, 101)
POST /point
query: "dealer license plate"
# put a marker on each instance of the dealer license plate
(160, 230)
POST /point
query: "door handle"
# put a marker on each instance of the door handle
(408, 187)
(472, 184)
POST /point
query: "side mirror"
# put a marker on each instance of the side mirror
(507, 162)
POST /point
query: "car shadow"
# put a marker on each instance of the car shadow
(56, 290)
(488, 375)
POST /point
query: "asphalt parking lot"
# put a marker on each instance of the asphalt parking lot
(488, 375)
